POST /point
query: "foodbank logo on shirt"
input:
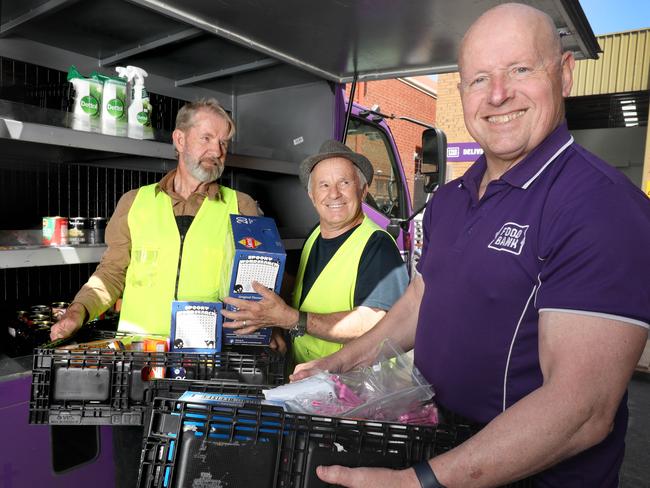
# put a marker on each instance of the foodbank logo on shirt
(510, 238)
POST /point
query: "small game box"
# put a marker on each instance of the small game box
(259, 256)
(196, 326)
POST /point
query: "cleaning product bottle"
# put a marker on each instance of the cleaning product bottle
(87, 102)
(139, 113)
(113, 114)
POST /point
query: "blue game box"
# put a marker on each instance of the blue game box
(196, 327)
(259, 256)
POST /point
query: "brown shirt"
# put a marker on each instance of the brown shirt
(106, 284)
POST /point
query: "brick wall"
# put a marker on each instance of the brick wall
(450, 119)
(400, 98)
(450, 110)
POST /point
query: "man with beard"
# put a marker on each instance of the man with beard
(166, 240)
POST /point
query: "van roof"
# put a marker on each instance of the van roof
(206, 43)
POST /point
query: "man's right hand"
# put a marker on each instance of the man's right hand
(305, 370)
(69, 323)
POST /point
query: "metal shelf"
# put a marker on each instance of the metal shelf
(30, 256)
(63, 137)
(38, 127)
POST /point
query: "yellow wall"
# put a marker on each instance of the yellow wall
(449, 112)
(449, 118)
(623, 66)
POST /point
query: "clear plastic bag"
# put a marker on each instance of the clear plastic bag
(391, 390)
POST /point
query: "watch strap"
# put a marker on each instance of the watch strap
(426, 476)
(300, 329)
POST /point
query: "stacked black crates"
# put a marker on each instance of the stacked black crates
(108, 387)
(243, 443)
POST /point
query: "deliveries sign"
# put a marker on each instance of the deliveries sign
(463, 152)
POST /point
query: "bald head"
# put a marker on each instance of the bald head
(515, 18)
(513, 80)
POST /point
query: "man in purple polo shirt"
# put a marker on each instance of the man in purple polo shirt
(533, 299)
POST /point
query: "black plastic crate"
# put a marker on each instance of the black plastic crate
(174, 388)
(249, 444)
(107, 387)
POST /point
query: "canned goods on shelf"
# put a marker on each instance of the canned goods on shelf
(39, 316)
(97, 230)
(40, 309)
(55, 231)
(78, 230)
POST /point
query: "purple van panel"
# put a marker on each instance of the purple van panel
(25, 450)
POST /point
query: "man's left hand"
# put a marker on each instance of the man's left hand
(253, 315)
(364, 477)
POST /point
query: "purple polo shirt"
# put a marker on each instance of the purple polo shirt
(561, 230)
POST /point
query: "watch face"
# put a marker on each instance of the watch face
(299, 329)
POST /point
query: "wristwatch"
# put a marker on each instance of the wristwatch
(300, 328)
(425, 475)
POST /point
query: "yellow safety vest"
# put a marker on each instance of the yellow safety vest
(333, 290)
(203, 269)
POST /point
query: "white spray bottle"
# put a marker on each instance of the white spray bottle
(139, 113)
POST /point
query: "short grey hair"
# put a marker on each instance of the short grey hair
(185, 116)
(362, 179)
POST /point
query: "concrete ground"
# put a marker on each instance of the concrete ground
(636, 465)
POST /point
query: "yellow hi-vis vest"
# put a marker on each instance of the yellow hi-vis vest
(202, 270)
(333, 290)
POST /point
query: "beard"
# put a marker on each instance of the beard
(202, 174)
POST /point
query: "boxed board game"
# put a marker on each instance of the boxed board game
(259, 256)
(196, 326)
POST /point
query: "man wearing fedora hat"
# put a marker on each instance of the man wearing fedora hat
(350, 271)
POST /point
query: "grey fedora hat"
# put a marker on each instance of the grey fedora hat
(335, 149)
